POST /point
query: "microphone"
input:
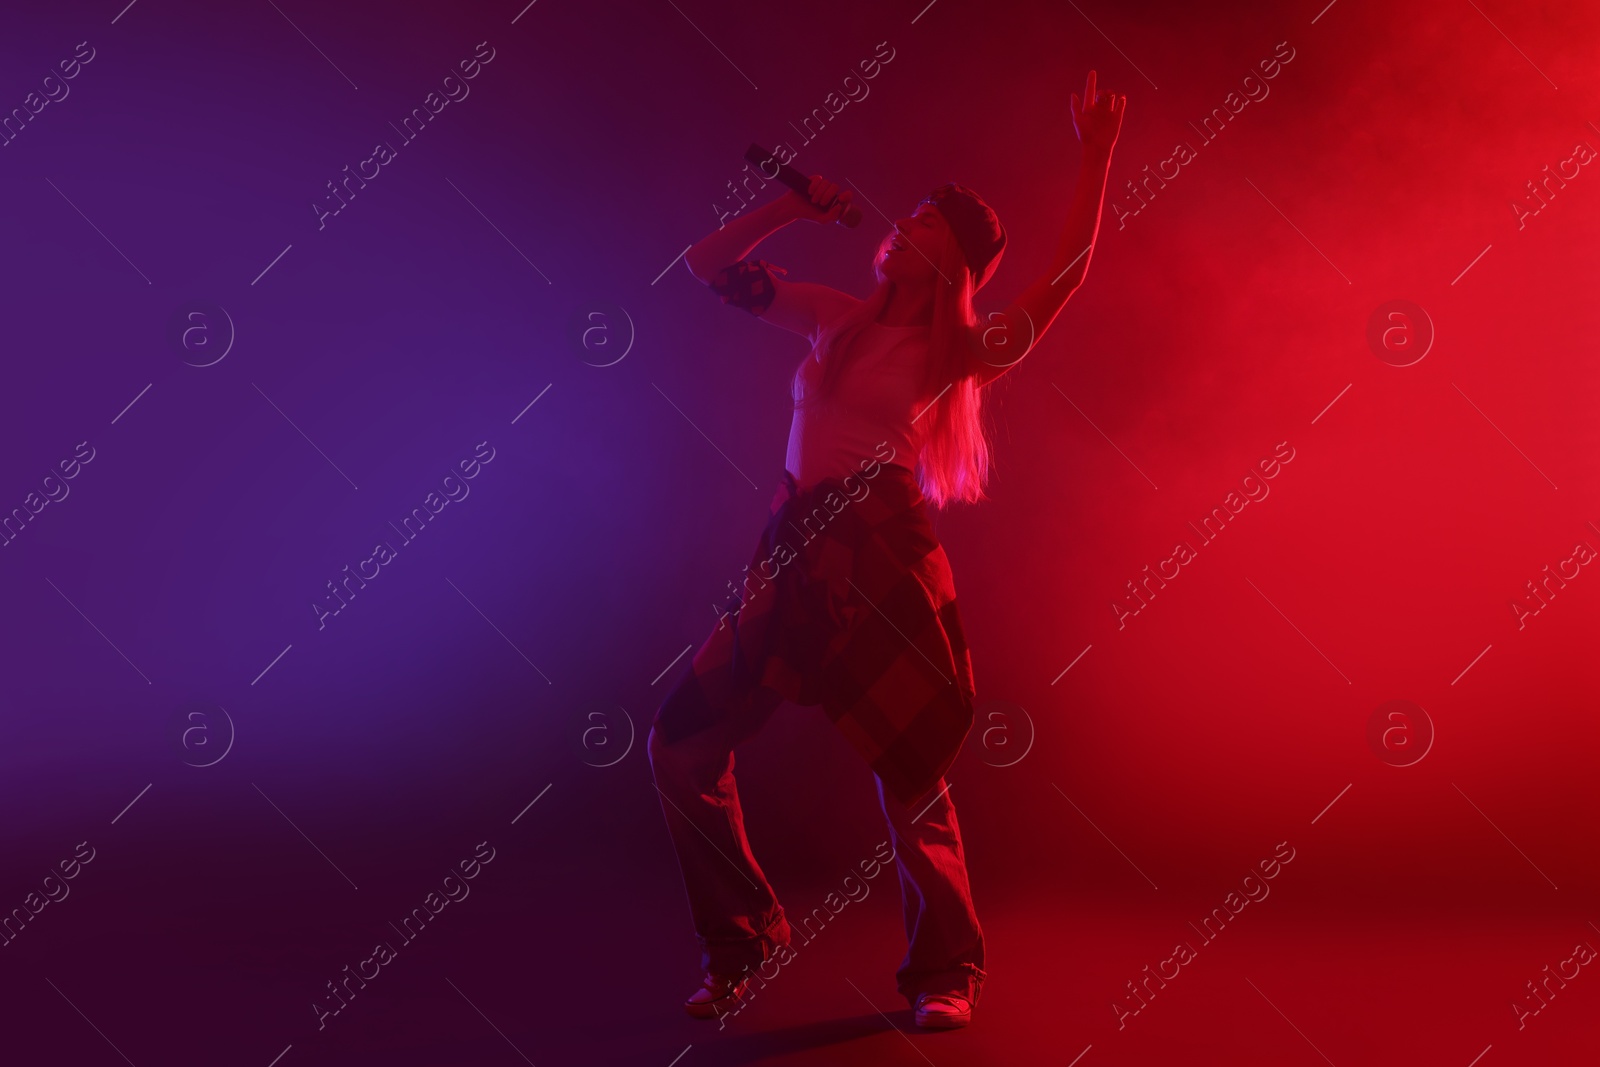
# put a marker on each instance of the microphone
(794, 180)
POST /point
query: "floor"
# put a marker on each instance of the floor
(544, 962)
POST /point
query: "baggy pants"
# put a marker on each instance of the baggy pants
(854, 610)
(737, 917)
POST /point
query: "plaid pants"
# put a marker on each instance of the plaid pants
(852, 607)
(850, 604)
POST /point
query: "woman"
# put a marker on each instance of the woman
(849, 602)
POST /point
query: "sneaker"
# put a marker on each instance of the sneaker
(943, 1011)
(717, 995)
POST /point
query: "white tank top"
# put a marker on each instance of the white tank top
(876, 401)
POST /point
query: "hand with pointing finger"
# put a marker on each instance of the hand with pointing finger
(1097, 119)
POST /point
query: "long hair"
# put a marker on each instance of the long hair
(955, 448)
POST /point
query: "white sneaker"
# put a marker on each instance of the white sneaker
(943, 1011)
(717, 995)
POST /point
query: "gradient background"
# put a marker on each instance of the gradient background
(528, 635)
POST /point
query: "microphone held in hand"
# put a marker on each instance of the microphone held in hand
(765, 162)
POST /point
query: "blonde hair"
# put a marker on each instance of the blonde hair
(955, 452)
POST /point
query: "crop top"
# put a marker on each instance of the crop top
(872, 409)
(873, 416)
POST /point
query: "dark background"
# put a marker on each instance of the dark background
(159, 617)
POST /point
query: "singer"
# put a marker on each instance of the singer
(864, 622)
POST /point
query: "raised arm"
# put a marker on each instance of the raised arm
(717, 260)
(1005, 337)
